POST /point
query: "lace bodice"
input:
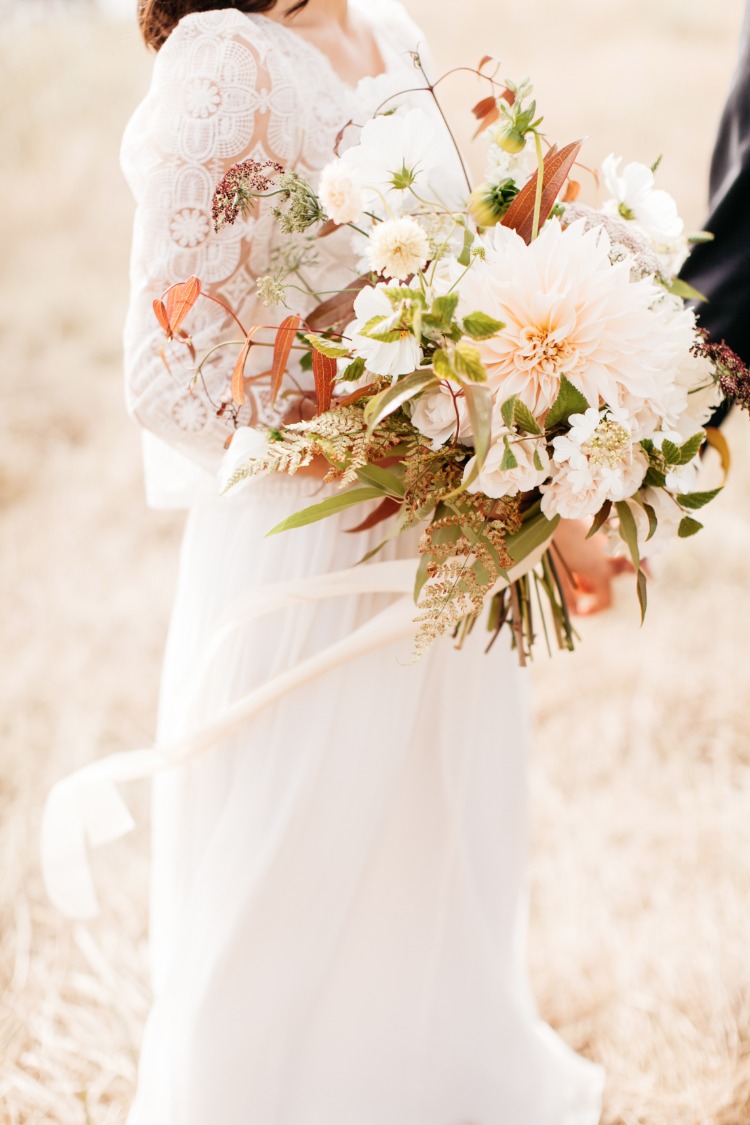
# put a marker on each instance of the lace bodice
(229, 86)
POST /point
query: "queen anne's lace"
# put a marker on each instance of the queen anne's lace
(226, 87)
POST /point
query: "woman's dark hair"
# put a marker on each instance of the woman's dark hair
(158, 18)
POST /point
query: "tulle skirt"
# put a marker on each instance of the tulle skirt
(338, 889)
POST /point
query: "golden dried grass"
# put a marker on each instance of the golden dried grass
(641, 773)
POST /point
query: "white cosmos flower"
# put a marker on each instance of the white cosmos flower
(436, 414)
(248, 445)
(340, 192)
(496, 482)
(398, 248)
(399, 152)
(397, 357)
(636, 198)
(567, 310)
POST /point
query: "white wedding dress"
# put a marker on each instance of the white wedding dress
(338, 895)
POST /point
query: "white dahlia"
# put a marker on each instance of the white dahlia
(568, 310)
(398, 248)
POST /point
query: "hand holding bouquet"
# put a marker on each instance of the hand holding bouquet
(507, 357)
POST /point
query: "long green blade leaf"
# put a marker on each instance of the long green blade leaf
(327, 508)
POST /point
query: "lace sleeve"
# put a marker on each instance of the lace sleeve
(220, 94)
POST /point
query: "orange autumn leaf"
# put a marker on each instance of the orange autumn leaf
(160, 310)
(572, 191)
(282, 347)
(336, 310)
(238, 375)
(179, 300)
(324, 370)
(481, 109)
(557, 164)
(387, 507)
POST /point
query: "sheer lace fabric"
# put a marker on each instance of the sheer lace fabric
(228, 86)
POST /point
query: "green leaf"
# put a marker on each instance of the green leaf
(653, 522)
(690, 449)
(537, 461)
(508, 410)
(629, 531)
(464, 258)
(386, 335)
(509, 461)
(480, 326)
(443, 308)
(642, 587)
(654, 478)
(396, 395)
(600, 518)
(694, 500)
(354, 371)
(679, 288)
(326, 508)
(569, 401)
(468, 362)
(396, 295)
(670, 452)
(535, 531)
(383, 479)
(442, 364)
(688, 526)
(525, 420)
(479, 402)
(326, 347)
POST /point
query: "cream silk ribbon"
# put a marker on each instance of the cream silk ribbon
(86, 810)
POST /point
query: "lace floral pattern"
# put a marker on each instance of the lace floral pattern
(228, 86)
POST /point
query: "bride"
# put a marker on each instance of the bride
(337, 908)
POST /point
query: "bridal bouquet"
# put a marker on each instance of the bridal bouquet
(505, 358)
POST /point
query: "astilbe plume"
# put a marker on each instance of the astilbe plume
(237, 191)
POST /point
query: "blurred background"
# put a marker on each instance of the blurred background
(640, 887)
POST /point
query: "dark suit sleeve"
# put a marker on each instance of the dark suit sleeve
(720, 270)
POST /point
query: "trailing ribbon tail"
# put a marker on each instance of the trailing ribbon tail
(85, 809)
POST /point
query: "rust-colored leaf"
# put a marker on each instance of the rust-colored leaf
(282, 347)
(337, 310)
(324, 370)
(161, 315)
(387, 507)
(557, 164)
(359, 394)
(489, 119)
(482, 108)
(572, 191)
(179, 300)
(508, 96)
(238, 375)
(329, 227)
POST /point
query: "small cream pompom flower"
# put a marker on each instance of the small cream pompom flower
(340, 192)
(398, 248)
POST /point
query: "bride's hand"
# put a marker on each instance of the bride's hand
(592, 570)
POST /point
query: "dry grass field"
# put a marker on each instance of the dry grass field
(641, 772)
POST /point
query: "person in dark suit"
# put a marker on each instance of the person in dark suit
(720, 269)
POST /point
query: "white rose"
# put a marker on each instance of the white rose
(496, 482)
(434, 415)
